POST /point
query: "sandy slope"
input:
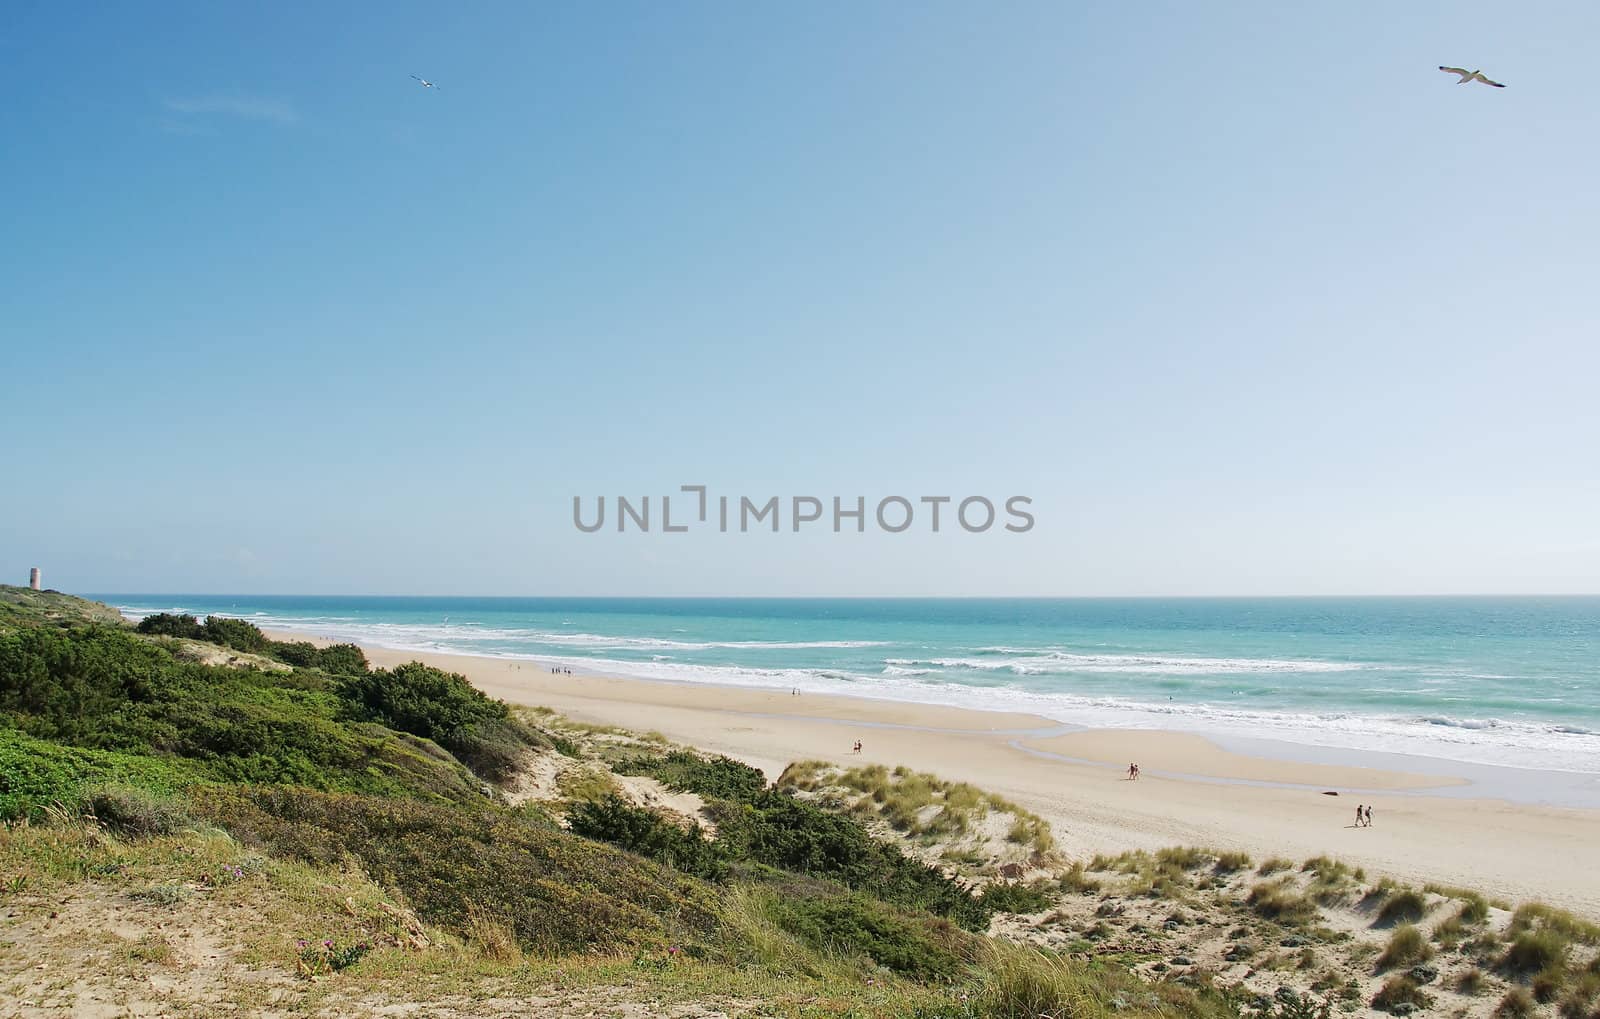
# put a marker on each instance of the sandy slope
(1505, 849)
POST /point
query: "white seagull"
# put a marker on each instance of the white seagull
(1467, 76)
(428, 84)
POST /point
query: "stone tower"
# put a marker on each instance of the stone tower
(33, 578)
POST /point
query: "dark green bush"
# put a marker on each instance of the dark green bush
(1016, 897)
(446, 708)
(780, 831)
(59, 684)
(613, 819)
(335, 659)
(235, 633)
(719, 777)
(922, 947)
(102, 688)
(168, 624)
(301, 653)
(342, 660)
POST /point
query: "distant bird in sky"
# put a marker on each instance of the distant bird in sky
(1467, 76)
(428, 84)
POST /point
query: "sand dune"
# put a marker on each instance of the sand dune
(1185, 797)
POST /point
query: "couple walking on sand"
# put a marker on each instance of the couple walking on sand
(1133, 773)
(1363, 816)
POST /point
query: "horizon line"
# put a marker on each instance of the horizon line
(828, 597)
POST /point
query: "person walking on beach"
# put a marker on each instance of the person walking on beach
(1369, 815)
(1360, 815)
(1133, 772)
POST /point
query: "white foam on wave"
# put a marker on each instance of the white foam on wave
(1034, 662)
(1498, 742)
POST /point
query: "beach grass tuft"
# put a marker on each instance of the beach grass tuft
(1407, 947)
(1518, 1003)
(1282, 901)
(1401, 906)
(1401, 991)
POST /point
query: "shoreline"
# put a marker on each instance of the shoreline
(1429, 827)
(1433, 774)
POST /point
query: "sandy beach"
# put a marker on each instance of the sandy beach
(1077, 780)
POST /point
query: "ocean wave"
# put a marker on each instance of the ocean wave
(1040, 662)
(605, 640)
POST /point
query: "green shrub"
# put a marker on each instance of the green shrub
(919, 947)
(335, 659)
(302, 653)
(446, 708)
(342, 660)
(613, 819)
(168, 624)
(1016, 897)
(683, 771)
(780, 831)
(1470, 982)
(234, 633)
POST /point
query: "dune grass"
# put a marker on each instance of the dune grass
(1402, 906)
(1407, 946)
(921, 805)
(1282, 901)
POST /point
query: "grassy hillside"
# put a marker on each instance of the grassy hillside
(21, 606)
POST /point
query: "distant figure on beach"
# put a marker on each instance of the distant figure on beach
(856, 749)
(1369, 815)
(1133, 773)
(1360, 815)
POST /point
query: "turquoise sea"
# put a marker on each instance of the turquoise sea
(1492, 681)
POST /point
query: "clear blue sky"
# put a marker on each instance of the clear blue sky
(1249, 298)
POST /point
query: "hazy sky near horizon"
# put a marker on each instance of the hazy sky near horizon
(1248, 298)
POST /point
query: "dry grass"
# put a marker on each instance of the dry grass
(587, 782)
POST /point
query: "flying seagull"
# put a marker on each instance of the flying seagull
(428, 84)
(1467, 76)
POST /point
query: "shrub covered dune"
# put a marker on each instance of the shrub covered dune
(363, 838)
